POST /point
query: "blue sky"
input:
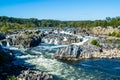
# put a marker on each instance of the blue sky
(60, 9)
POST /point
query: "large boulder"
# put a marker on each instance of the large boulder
(25, 39)
(69, 53)
(77, 52)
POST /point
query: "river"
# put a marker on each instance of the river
(41, 57)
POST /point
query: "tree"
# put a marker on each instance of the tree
(4, 29)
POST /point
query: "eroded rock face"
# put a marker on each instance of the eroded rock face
(60, 39)
(34, 75)
(24, 42)
(104, 31)
(72, 51)
(86, 51)
(25, 39)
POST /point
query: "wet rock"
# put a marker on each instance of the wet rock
(5, 55)
(74, 53)
(34, 75)
(25, 39)
(70, 52)
(2, 36)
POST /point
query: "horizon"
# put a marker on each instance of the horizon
(63, 10)
(57, 19)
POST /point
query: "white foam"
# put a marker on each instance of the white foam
(52, 66)
(86, 65)
(81, 43)
(45, 45)
(65, 39)
(56, 41)
(37, 52)
(8, 45)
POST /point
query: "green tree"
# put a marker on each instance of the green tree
(4, 29)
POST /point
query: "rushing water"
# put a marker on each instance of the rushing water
(41, 57)
(97, 69)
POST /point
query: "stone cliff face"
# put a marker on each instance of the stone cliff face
(60, 39)
(71, 51)
(103, 31)
(74, 53)
(23, 39)
(8, 68)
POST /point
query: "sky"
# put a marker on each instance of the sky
(60, 9)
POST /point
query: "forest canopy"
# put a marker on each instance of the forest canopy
(10, 23)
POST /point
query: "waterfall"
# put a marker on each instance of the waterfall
(0, 43)
(45, 40)
(56, 41)
(65, 39)
(51, 41)
(8, 45)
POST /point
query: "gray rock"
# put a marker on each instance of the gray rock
(72, 51)
(34, 75)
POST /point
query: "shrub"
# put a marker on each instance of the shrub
(116, 34)
(113, 33)
(109, 34)
(109, 40)
(11, 78)
(94, 42)
(118, 47)
(4, 29)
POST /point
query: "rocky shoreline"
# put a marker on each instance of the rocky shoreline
(78, 47)
(8, 70)
(106, 54)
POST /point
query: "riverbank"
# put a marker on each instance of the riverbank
(69, 44)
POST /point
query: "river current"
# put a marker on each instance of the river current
(41, 57)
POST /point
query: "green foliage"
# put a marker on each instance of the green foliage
(4, 29)
(109, 40)
(21, 23)
(11, 78)
(115, 34)
(113, 40)
(94, 42)
(118, 47)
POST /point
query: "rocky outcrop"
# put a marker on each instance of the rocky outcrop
(104, 31)
(34, 75)
(74, 53)
(7, 68)
(60, 39)
(25, 39)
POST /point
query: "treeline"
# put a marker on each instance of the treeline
(10, 23)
